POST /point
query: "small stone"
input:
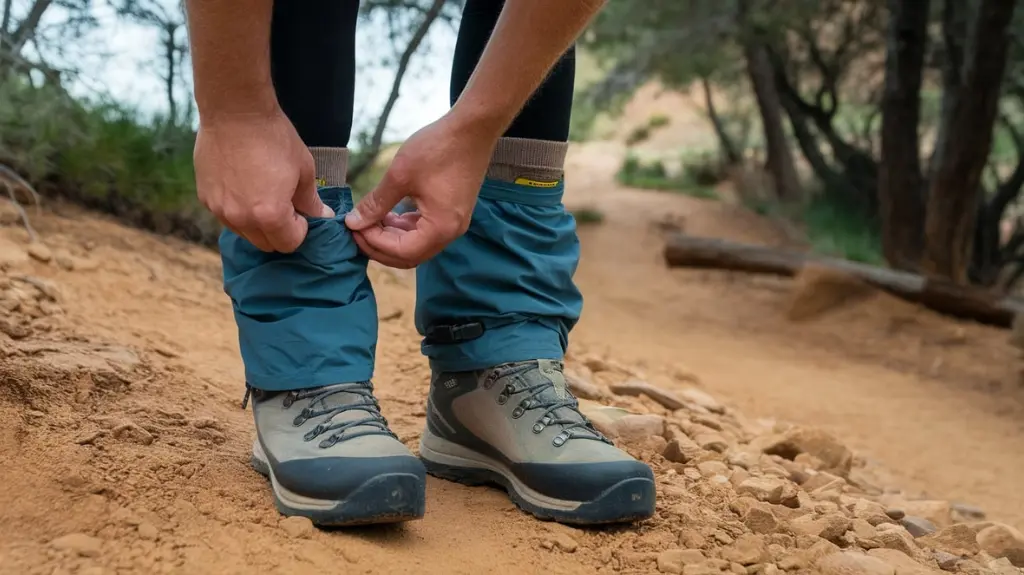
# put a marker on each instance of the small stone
(834, 457)
(297, 527)
(959, 539)
(79, 543)
(861, 528)
(904, 564)
(898, 539)
(705, 568)
(773, 490)
(581, 386)
(147, 531)
(563, 541)
(635, 426)
(747, 550)
(761, 520)
(870, 511)
(1002, 566)
(946, 561)
(635, 387)
(605, 419)
(692, 539)
(850, 563)
(674, 560)
(680, 448)
(895, 513)
(712, 441)
(696, 396)
(723, 537)
(937, 512)
(918, 526)
(965, 512)
(712, 468)
(65, 262)
(829, 527)
(40, 252)
(1000, 540)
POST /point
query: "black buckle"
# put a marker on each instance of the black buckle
(448, 334)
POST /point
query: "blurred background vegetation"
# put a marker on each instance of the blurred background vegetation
(889, 131)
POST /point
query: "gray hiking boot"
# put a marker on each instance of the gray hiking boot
(330, 457)
(517, 425)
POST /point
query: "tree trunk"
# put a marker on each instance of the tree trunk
(939, 295)
(367, 157)
(900, 184)
(954, 38)
(779, 161)
(956, 189)
(732, 155)
(170, 48)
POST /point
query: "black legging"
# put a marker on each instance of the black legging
(313, 55)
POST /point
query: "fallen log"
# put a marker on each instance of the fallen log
(941, 296)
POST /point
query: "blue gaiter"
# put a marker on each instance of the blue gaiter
(503, 291)
(305, 319)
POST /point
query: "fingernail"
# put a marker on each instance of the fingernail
(353, 218)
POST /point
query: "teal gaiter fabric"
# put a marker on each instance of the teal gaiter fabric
(305, 319)
(503, 291)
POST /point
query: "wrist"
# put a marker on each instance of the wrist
(224, 107)
(482, 120)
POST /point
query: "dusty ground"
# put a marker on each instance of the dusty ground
(125, 450)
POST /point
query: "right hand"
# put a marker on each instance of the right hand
(254, 174)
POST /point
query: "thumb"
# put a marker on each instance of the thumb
(375, 205)
(306, 200)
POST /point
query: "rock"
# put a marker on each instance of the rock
(712, 441)
(830, 527)
(1003, 566)
(771, 489)
(1000, 540)
(605, 419)
(562, 541)
(937, 512)
(297, 527)
(747, 550)
(903, 564)
(959, 539)
(680, 448)
(634, 426)
(11, 254)
(896, 513)
(823, 480)
(635, 387)
(946, 561)
(40, 252)
(918, 526)
(899, 539)
(147, 531)
(850, 563)
(835, 457)
(705, 568)
(712, 468)
(964, 512)
(79, 543)
(674, 560)
(760, 519)
(698, 397)
(870, 511)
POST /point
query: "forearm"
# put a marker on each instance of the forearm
(528, 40)
(230, 43)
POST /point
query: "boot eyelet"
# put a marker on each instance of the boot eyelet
(329, 442)
(502, 399)
(491, 379)
(299, 419)
(518, 412)
(312, 433)
(288, 400)
(538, 427)
(510, 389)
(559, 440)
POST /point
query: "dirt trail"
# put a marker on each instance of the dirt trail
(125, 450)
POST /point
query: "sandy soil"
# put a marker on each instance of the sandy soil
(125, 449)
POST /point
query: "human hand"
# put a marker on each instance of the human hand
(441, 167)
(257, 177)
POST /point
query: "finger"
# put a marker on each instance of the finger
(253, 236)
(306, 200)
(379, 256)
(284, 228)
(374, 206)
(406, 221)
(411, 246)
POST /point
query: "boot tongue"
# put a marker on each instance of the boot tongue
(333, 397)
(552, 371)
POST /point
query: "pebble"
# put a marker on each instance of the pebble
(79, 543)
(761, 520)
(903, 564)
(582, 387)
(635, 426)
(946, 561)
(11, 254)
(712, 468)
(40, 252)
(147, 531)
(635, 387)
(939, 513)
(896, 513)
(968, 512)
(1000, 540)
(712, 441)
(674, 560)
(297, 527)
(562, 541)
(918, 526)
(747, 550)
(694, 395)
(850, 563)
(959, 539)
(770, 489)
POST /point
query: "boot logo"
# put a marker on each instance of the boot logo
(450, 384)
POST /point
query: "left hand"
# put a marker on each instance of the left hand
(441, 167)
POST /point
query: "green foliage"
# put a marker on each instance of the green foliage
(652, 175)
(658, 121)
(836, 230)
(103, 155)
(588, 216)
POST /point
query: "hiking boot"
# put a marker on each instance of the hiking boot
(330, 457)
(518, 426)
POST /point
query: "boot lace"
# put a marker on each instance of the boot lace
(358, 397)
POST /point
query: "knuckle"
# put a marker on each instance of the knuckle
(267, 216)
